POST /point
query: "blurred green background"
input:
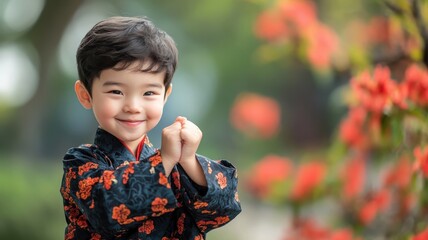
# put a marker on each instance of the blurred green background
(40, 117)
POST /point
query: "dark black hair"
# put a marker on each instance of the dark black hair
(118, 42)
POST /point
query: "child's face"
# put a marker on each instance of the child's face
(128, 103)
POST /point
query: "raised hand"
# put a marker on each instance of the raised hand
(191, 136)
(171, 146)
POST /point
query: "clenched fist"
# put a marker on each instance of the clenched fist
(180, 141)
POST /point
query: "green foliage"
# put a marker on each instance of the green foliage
(30, 201)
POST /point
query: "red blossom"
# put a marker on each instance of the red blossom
(378, 30)
(308, 177)
(353, 176)
(421, 163)
(352, 128)
(268, 171)
(400, 174)
(307, 229)
(341, 234)
(256, 115)
(121, 213)
(415, 84)
(301, 13)
(270, 26)
(421, 235)
(376, 204)
(322, 44)
(375, 94)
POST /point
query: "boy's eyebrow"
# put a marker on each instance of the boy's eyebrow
(156, 85)
(112, 83)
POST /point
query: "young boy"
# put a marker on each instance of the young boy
(121, 187)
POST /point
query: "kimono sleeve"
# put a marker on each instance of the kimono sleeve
(114, 200)
(218, 203)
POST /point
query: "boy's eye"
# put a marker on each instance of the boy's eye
(116, 92)
(149, 93)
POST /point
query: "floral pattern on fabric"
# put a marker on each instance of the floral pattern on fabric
(108, 194)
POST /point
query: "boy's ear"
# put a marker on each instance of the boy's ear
(83, 95)
(168, 92)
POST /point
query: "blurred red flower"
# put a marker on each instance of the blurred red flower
(322, 44)
(375, 94)
(415, 84)
(301, 13)
(352, 128)
(341, 234)
(268, 171)
(421, 162)
(256, 115)
(270, 26)
(309, 175)
(378, 30)
(306, 229)
(400, 174)
(421, 235)
(376, 204)
(353, 175)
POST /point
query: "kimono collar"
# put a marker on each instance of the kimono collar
(117, 151)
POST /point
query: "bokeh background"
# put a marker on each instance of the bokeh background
(256, 84)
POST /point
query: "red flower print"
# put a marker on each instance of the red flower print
(95, 236)
(68, 177)
(256, 115)
(121, 213)
(155, 159)
(308, 177)
(85, 187)
(421, 162)
(147, 227)
(353, 176)
(140, 218)
(421, 235)
(199, 237)
(268, 171)
(158, 206)
(129, 170)
(221, 180)
(81, 222)
(108, 179)
(180, 223)
(176, 179)
(163, 180)
(270, 26)
(222, 220)
(198, 204)
(86, 167)
(70, 234)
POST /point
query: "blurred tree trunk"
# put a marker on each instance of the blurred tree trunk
(45, 36)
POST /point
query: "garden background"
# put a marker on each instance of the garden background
(320, 104)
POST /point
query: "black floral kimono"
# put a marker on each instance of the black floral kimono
(108, 194)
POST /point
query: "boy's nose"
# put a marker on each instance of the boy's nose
(132, 105)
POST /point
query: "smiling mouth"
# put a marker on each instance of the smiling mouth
(130, 122)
